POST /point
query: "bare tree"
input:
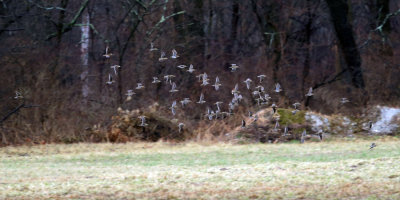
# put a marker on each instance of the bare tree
(85, 43)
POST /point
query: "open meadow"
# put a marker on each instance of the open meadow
(339, 169)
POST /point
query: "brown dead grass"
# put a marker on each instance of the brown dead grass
(201, 171)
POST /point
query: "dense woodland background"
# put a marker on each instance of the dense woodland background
(52, 53)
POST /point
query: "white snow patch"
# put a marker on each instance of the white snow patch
(386, 122)
(318, 122)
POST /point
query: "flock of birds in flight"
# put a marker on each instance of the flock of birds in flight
(259, 92)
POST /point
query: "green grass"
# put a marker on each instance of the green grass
(287, 118)
(327, 170)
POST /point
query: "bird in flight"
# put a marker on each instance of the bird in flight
(373, 145)
(267, 97)
(296, 109)
(278, 88)
(261, 77)
(152, 48)
(247, 82)
(285, 132)
(162, 57)
(18, 95)
(185, 101)
(256, 92)
(200, 77)
(155, 80)
(236, 98)
(205, 79)
(181, 66)
(143, 121)
(174, 54)
(168, 78)
(201, 100)
(114, 67)
(236, 89)
(191, 69)
(259, 100)
(274, 107)
(217, 84)
(218, 103)
(110, 80)
(107, 54)
(310, 92)
(180, 126)
(173, 106)
(344, 100)
(210, 114)
(139, 86)
(260, 88)
(233, 67)
(129, 93)
(173, 89)
(296, 105)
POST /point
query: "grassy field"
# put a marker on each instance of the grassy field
(326, 170)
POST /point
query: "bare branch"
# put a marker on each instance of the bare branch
(15, 110)
(333, 79)
(141, 4)
(379, 29)
(162, 20)
(68, 27)
(46, 8)
(93, 29)
(16, 29)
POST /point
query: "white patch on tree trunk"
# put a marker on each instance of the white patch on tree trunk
(85, 36)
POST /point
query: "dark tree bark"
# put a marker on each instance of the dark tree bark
(15, 19)
(267, 27)
(339, 11)
(197, 29)
(189, 26)
(308, 31)
(234, 26)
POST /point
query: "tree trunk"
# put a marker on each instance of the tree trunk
(306, 69)
(339, 11)
(85, 38)
(234, 27)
